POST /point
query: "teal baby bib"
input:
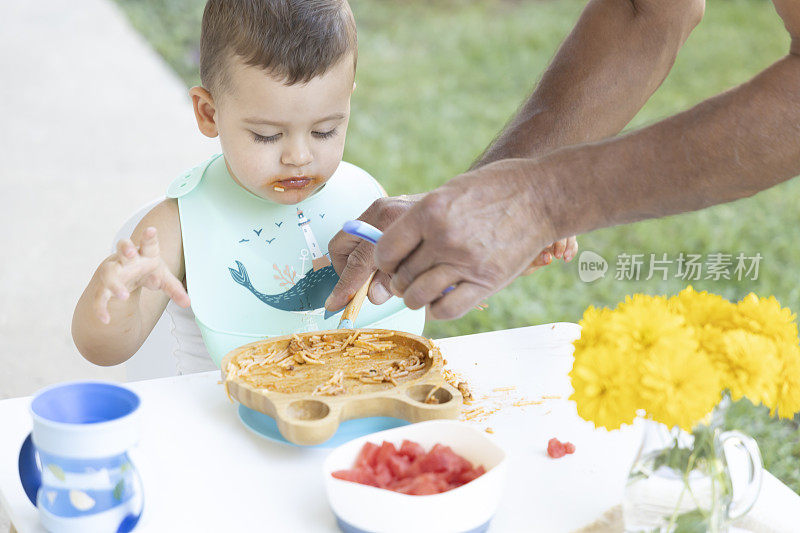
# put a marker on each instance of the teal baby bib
(257, 269)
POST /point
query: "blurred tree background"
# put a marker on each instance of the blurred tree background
(438, 80)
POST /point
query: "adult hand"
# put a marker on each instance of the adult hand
(477, 232)
(131, 268)
(353, 258)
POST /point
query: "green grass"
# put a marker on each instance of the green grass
(437, 81)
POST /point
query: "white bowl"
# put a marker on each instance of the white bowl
(466, 509)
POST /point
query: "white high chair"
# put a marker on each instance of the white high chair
(175, 345)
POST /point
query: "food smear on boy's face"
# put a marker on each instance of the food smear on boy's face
(297, 182)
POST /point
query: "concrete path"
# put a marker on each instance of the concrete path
(94, 125)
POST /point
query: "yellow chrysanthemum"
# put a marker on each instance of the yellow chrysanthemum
(750, 366)
(603, 388)
(598, 327)
(679, 388)
(787, 403)
(703, 309)
(765, 316)
(649, 324)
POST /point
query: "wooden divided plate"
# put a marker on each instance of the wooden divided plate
(310, 382)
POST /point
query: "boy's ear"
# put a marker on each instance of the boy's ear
(204, 111)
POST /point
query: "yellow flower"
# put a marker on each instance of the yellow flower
(702, 309)
(750, 366)
(679, 388)
(765, 316)
(603, 388)
(647, 323)
(598, 327)
(787, 403)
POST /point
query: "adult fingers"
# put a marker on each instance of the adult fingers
(355, 273)
(340, 247)
(420, 261)
(149, 245)
(458, 302)
(400, 239)
(379, 288)
(429, 286)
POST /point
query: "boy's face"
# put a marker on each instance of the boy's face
(281, 142)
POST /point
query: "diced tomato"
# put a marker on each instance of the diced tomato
(412, 450)
(421, 485)
(366, 456)
(399, 465)
(556, 448)
(468, 475)
(409, 469)
(357, 475)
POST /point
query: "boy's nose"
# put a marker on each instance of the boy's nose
(296, 154)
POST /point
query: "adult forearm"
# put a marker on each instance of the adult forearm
(728, 147)
(616, 57)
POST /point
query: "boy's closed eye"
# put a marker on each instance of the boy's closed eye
(274, 138)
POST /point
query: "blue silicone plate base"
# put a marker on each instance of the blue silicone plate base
(265, 426)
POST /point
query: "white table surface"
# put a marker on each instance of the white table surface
(203, 471)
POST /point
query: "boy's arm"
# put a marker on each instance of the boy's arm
(618, 54)
(131, 319)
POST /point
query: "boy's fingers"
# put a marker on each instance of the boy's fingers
(101, 306)
(572, 249)
(119, 290)
(559, 247)
(126, 251)
(149, 246)
(175, 290)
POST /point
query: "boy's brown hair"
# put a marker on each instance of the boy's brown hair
(295, 40)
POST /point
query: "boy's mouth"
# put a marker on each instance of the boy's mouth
(298, 182)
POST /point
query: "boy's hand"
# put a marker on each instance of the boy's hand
(565, 249)
(131, 268)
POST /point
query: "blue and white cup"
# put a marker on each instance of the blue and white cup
(75, 465)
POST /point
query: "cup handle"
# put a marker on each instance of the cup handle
(130, 521)
(29, 473)
(756, 470)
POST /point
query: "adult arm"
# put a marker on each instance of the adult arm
(728, 147)
(614, 59)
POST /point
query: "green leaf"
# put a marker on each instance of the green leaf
(691, 522)
(57, 471)
(119, 489)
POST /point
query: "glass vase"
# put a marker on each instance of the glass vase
(682, 482)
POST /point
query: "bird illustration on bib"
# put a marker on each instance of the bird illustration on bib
(311, 290)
